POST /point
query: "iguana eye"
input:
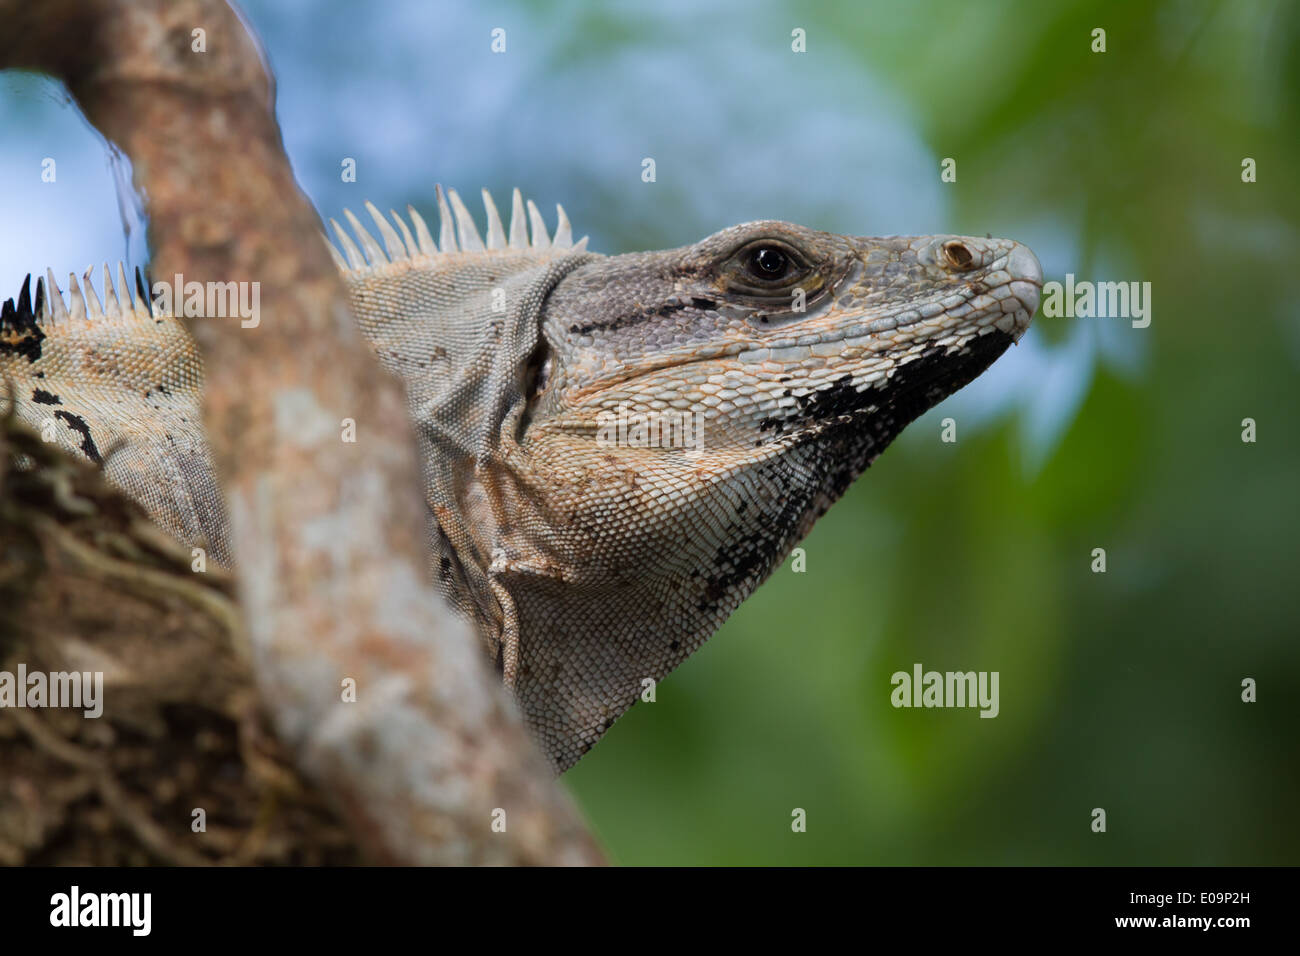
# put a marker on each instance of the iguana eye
(768, 262)
(764, 267)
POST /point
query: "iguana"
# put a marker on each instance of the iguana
(617, 449)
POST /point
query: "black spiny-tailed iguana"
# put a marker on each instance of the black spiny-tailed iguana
(617, 449)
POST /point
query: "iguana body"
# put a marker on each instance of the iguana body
(588, 563)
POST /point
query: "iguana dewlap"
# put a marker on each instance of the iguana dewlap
(617, 449)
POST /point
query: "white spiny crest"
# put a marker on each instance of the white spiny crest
(540, 239)
(392, 241)
(54, 306)
(110, 296)
(496, 237)
(78, 307)
(422, 231)
(447, 228)
(128, 296)
(466, 232)
(518, 224)
(92, 300)
(457, 232)
(409, 240)
(120, 300)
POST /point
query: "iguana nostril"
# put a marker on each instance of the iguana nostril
(958, 256)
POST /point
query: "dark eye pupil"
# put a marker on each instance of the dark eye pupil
(769, 261)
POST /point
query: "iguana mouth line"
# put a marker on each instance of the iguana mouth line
(951, 321)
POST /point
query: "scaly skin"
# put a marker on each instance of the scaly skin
(590, 564)
(628, 558)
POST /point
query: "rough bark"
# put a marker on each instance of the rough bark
(329, 535)
(87, 583)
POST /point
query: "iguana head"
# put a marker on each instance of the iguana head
(775, 334)
(678, 420)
